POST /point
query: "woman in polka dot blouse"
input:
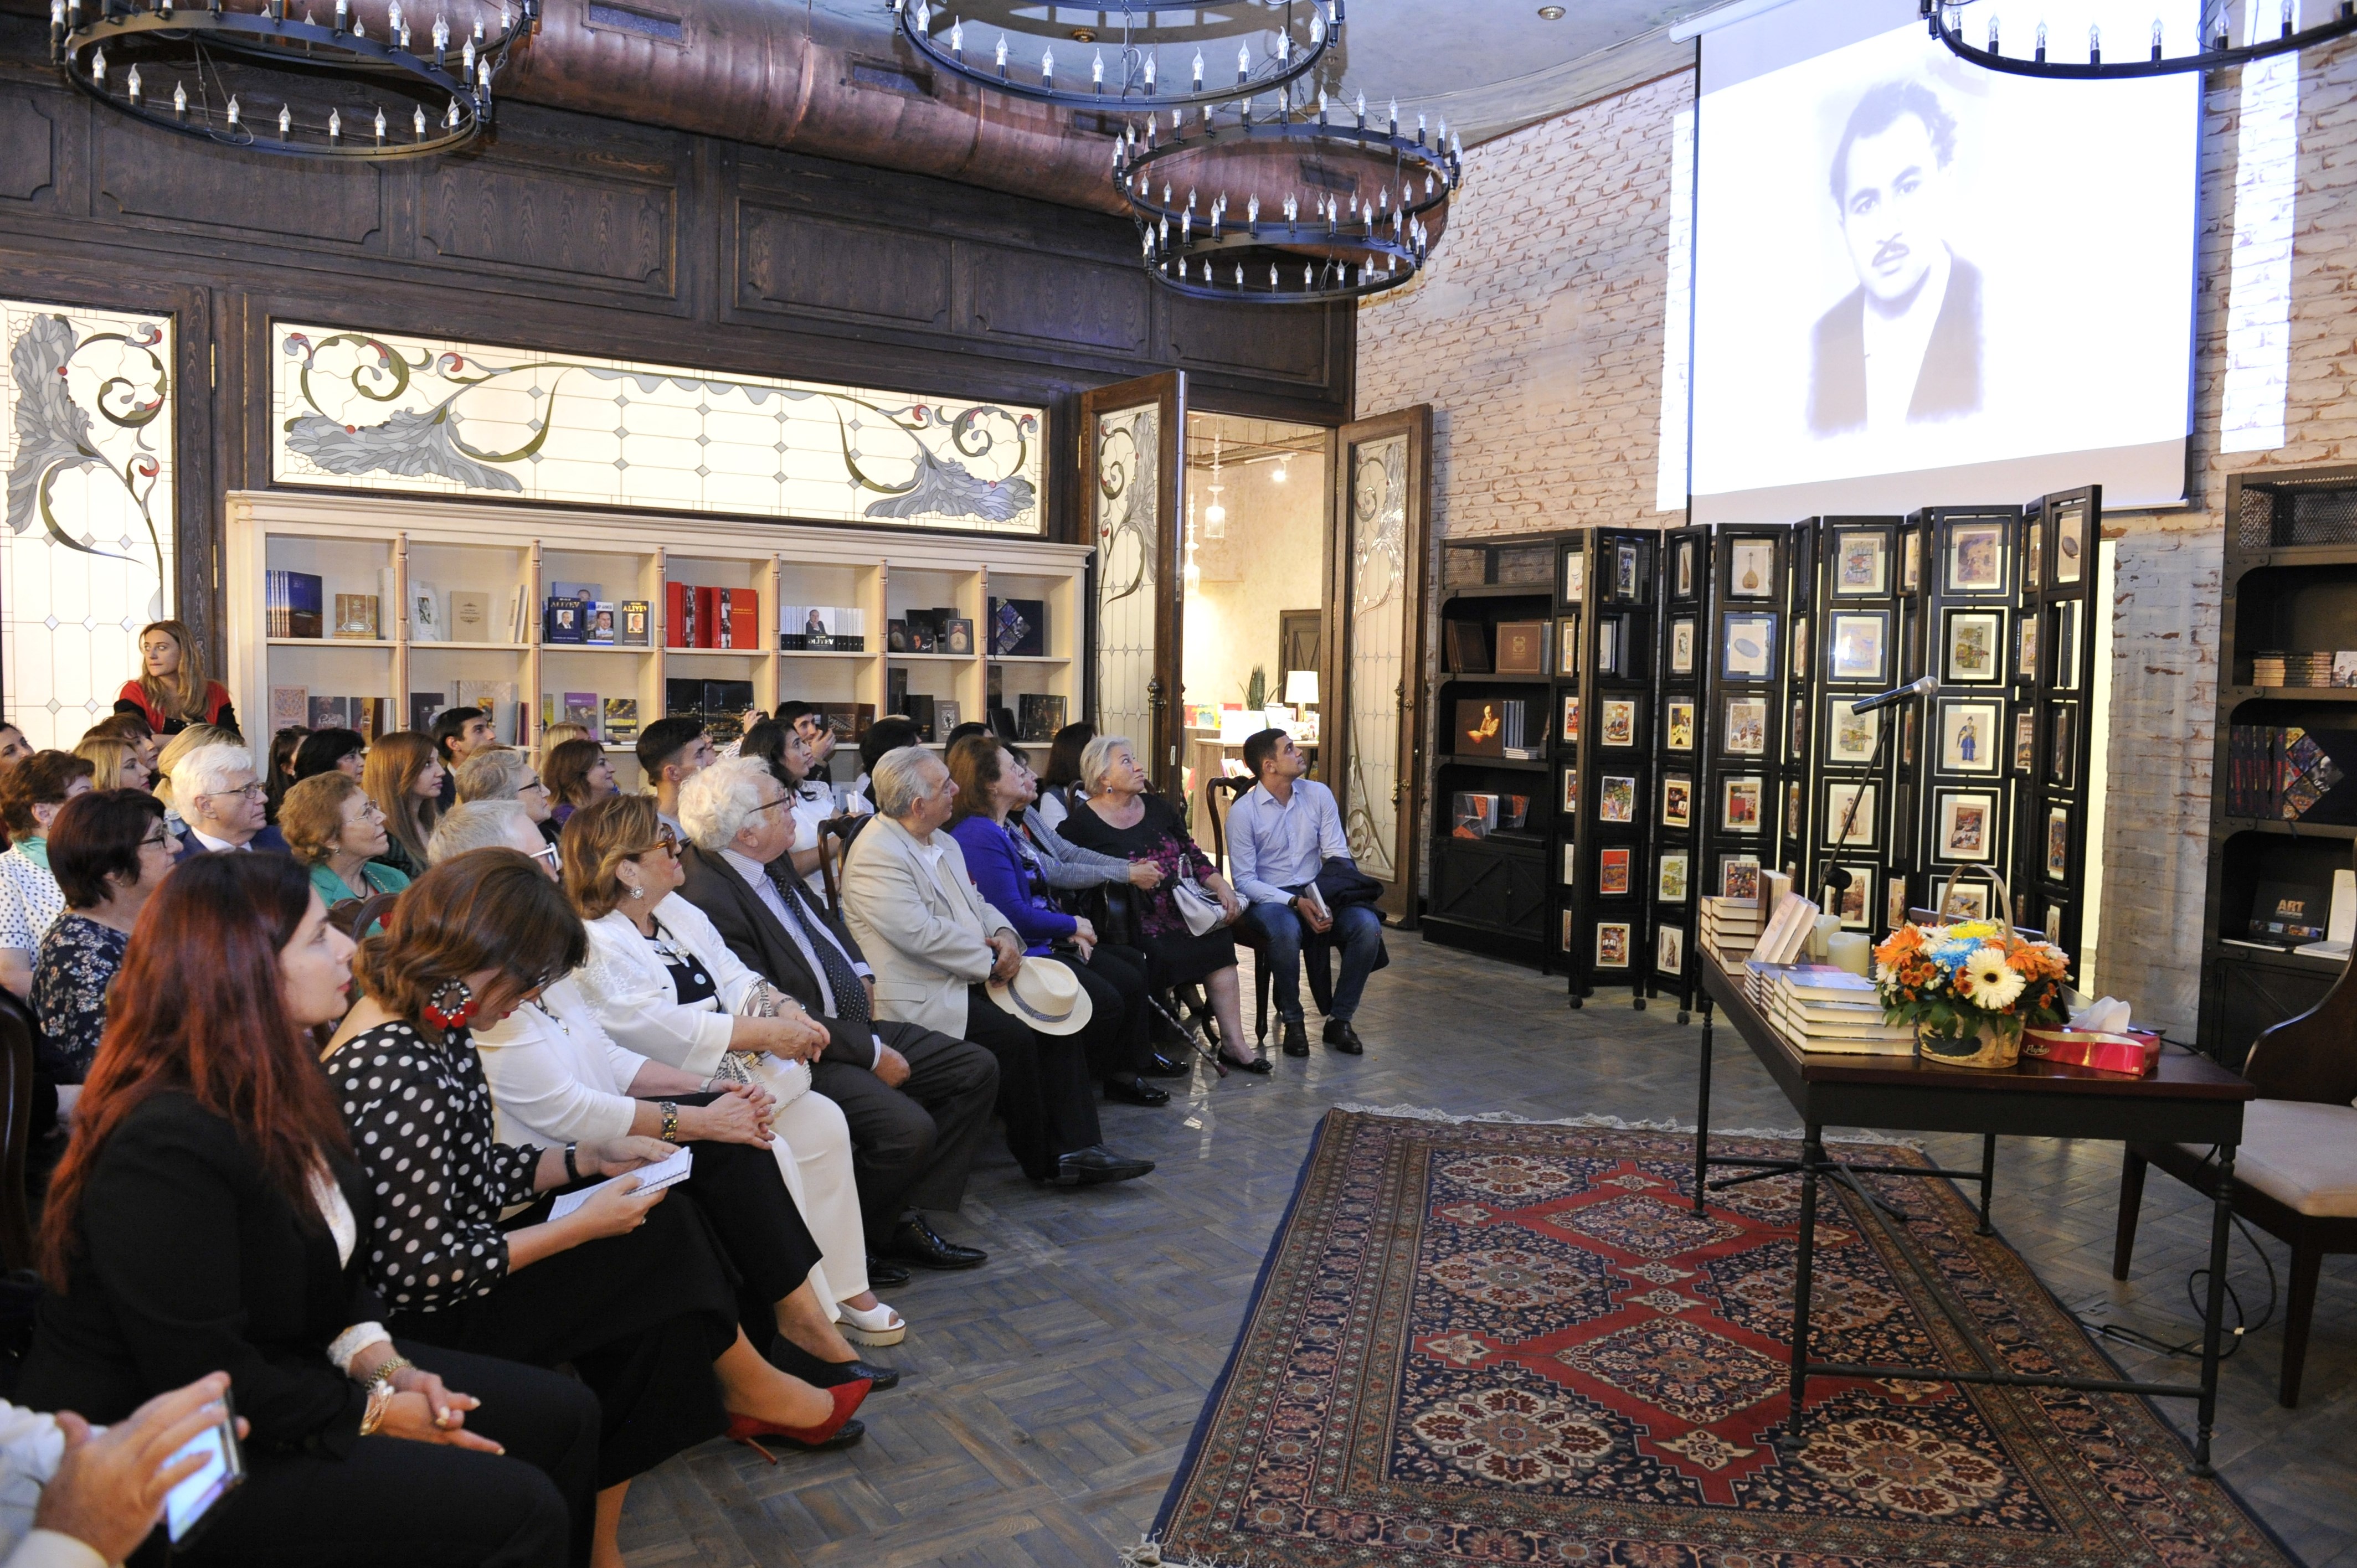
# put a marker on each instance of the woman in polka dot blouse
(629, 1290)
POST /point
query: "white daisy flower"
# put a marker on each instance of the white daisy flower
(1990, 982)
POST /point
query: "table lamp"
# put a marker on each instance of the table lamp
(1302, 688)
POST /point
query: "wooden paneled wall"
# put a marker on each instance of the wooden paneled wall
(596, 236)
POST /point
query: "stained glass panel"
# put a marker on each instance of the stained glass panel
(1125, 530)
(1378, 496)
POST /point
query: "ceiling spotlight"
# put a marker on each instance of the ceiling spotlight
(1550, 12)
(1085, 35)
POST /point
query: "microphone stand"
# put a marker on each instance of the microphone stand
(1837, 878)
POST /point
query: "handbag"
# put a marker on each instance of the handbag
(1201, 912)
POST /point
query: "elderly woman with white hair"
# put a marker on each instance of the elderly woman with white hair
(219, 795)
(1121, 817)
(556, 1078)
(663, 982)
(504, 773)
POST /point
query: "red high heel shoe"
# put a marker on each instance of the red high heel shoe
(836, 1432)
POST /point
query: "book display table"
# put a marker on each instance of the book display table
(2188, 1100)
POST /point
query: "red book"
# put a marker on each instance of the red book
(744, 623)
(679, 616)
(707, 618)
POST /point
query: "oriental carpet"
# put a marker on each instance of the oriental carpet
(1512, 1342)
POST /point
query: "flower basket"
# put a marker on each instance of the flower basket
(1969, 989)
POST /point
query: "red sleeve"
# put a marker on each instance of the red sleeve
(134, 693)
(216, 699)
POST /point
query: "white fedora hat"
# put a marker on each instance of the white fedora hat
(1045, 995)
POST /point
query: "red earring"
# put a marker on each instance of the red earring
(451, 1006)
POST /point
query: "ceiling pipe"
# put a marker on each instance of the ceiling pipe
(783, 76)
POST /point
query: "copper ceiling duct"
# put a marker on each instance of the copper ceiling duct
(779, 75)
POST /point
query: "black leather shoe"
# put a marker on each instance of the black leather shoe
(1296, 1038)
(1344, 1038)
(1136, 1090)
(789, 1357)
(915, 1241)
(1161, 1066)
(1255, 1064)
(1096, 1164)
(886, 1276)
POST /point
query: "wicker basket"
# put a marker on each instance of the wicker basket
(1994, 1047)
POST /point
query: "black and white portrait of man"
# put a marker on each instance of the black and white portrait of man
(1904, 346)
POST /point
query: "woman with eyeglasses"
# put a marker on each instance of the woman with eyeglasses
(32, 793)
(332, 827)
(664, 983)
(108, 851)
(504, 773)
(627, 1289)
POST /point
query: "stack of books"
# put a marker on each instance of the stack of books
(2274, 667)
(1728, 931)
(291, 604)
(2285, 773)
(1821, 1008)
(822, 628)
(1518, 746)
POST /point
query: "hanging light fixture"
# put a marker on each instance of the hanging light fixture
(1215, 516)
(1945, 20)
(315, 71)
(1311, 245)
(999, 54)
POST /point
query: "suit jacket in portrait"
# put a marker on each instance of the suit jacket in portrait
(755, 937)
(1946, 386)
(925, 928)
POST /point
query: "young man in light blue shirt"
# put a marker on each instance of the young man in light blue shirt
(1279, 835)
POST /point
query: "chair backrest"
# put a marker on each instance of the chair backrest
(17, 1029)
(834, 836)
(2312, 1056)
(356, 918)
(1235, 789)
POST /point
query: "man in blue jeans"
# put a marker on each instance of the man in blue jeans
(1278, 836)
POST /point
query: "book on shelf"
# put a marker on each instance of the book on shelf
(1472, 814)
(1468, 644)
(599, 628)
(367, 715)
(357, 618)
(290, 708)
(425, 620)
(1038, 715)
(896, 690)
(621, 719)
(582, 708)
(1521, 648)
(738, 622)
(291, 604)
(565, 590)
(495, 698)
(1018, 628)
(519, 623)
(2285, 773)
(470, 615)
(562, 619)
(636, 624)
(679, 615)
(425, 707)
(2288, 914)
(922, 713)
(847, 721)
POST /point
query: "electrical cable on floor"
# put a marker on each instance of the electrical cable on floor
(2192, 1348)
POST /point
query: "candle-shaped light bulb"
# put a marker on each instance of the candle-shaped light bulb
(467, 56)
(335, 126)
(1428, 182)
(380, 124)
(2094, 44)
(1048, 66)
(1002, 54)
(1240, 275)
(343, 14)
(1992, 38)
(359, 27)
(393, 17)
(1186, 227)
(1149, 73)
(1166, 193)
(405, 35)
(1322, 106)
(56, 13)
(2041, 41)
(441, 36)
(1284, 46)
(1317, 29)
(450, 118)
(1190, 199)
(232, 108)
(1096, 70)
(1252, 210)
(1199, 71)
(1419, 130)
(2155, 37)
(1362, 110)
(418, 120)
(2287, 18)
(483, 77)
(1243, 63)
(131, 84)
(98, 66)
(285, 122)
(957, 38)
(1394, 116)
(180, 98)
(479, 30)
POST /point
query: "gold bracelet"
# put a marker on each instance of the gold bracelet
(383, 1374)
(380, 1404)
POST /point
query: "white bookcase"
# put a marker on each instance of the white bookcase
(361, 545)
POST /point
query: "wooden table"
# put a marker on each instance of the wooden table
(2189, 1099)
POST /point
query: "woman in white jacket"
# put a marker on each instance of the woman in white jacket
(661, 983)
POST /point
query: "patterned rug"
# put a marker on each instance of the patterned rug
(1507, 1342)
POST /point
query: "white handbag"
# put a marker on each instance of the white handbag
(1201, 911)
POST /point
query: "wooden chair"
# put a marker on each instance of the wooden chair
(357, 917)
(2296, 1171)
(834, 836)
(18, 1030)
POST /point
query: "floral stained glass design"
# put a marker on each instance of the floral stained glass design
(86, 418)
(1125, 530)
(1378, 638)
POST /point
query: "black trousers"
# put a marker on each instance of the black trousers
(1047, 1095)
(1115, 1040)
(641, 1316)
(911, 1146)
(744, 1199)
(400, 1504)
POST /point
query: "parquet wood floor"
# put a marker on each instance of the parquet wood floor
(1049, 1396)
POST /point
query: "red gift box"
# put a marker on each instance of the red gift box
(2134, 1052)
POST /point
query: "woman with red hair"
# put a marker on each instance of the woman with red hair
(209, 1216)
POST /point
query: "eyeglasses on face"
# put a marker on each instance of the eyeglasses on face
(547, 855)
(162, 840)
(668, 843)
(252, 793)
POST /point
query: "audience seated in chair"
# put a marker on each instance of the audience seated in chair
(208, 1216)
(936, 946)
(504, 773)
(556, 1076)
(403, 775)
(631, 1290)
(661, 981)
(991, 783)
(1119, 817)
(1282, 836)
(332, 826)
(459, 734)
(885, 736)
(111, 852)
(341, 751)
(221, 798)
(175, 751)
(671, 752)
(917, 1100)
(32, 792)
(1061, 789)
(786, 753)
(116, 763)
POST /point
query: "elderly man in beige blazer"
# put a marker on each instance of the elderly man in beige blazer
(935, 944)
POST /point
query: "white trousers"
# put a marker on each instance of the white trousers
(813, 1143)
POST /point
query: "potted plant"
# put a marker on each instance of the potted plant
(1969, 989)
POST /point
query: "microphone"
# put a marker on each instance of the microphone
(1929, 686)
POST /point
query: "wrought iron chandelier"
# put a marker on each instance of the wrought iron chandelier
(1015, 51)
(290, 85)
(1296, 243)
(1946, 19)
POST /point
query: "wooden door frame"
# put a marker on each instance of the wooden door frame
(1168, 389)
(1414, 422)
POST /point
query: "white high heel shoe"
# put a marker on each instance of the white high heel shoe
(878, 1325)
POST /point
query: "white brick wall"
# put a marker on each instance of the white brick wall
(1537, 335)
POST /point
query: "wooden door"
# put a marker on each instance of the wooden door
(1133, 484)
(1371, 747)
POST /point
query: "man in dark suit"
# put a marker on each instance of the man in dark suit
(1904, 346)
(918, 1101)
(217, 794)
